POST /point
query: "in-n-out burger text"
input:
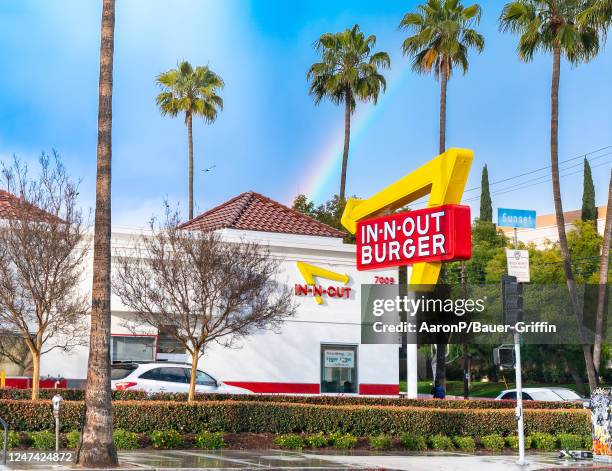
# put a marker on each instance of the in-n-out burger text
(434, 234)
(342, 292)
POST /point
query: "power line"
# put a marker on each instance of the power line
(541, 169)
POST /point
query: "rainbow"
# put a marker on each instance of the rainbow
(322, 177)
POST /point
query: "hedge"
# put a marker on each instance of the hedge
(257, 417)
(78, 395)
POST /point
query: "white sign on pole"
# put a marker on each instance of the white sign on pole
(518, 264)
(339, 359)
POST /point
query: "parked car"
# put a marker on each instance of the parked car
(160, 377)
(542, 394)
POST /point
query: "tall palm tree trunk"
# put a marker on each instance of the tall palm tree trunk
(347, 139)
(189, 120)
(604, 266)
(97, 448)
(554, 163)
(440, 376)
(443, 85)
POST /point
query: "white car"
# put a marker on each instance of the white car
(161, 377)
(542, 394)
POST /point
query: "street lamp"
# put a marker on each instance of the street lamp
(57, 404)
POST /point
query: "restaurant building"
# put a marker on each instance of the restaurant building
(316, 351)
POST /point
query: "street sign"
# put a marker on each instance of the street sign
(518, 264)
(517, 218)
(434, 234)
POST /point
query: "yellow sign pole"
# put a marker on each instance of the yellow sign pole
(2, 379)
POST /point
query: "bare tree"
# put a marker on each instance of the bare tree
(42, 250)
(199, 288)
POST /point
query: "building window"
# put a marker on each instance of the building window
(167, 343)
(138, 348)
(339, 369)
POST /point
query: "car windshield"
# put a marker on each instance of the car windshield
(567, 394)
(120, 372)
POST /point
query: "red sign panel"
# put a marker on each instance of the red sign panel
(426, 235)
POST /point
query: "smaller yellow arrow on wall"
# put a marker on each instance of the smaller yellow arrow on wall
(310, 271)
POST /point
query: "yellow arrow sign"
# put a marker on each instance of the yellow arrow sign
(443, 178)
(310, 271)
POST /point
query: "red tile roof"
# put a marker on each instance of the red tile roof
(9, 205)
(8, 202)
(251, 211)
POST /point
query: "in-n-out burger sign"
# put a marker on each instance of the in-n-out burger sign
(426, 235)
(423, 238)
(310, 288)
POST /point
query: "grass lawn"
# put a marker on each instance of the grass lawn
(479, 389)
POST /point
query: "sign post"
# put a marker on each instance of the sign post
(518, 264)
(443, 178)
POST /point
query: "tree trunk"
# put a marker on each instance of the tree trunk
(554, 163)
(97, 447)
(466, 372)
(440, 375)
(35, 375)
(195, 358)
(347, 139)
(443, 85)
(189, 120)
(604, 265)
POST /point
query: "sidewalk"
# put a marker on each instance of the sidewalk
(165, 460)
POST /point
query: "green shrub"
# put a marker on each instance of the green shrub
(344, 441)
(587, 442)
(290, 441)
(412, 441)
(14, 440)
(544, 441)
(125, 440)
(441, 443)
(73, 439)
(466, 444)
(316, 440)
(269, 417)
(43, 440)
(381, 442)
(210, 440)
(167, 439)
(570, 441)
(78, 395)
(493, 442)
(512, 442)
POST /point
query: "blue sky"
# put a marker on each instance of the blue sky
(270, 134)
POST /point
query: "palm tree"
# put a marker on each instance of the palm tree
(97, 448)
(193, 92)
(348, 71)
(552, 26)
(441, 37)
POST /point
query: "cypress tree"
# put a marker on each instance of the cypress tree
(589, 210)
(486, 209)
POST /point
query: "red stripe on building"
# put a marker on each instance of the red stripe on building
(311, 388)
(26, 383)
(279, 388)
(379, 389)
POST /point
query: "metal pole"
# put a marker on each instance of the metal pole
(5, 427)
(519, 385)
(57, 430)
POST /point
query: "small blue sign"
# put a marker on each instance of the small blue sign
(520, 218)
